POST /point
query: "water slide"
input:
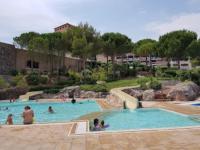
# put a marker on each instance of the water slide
(130, 101)
(26, 96)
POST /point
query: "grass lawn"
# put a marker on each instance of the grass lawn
(121, 83)
(111, 85)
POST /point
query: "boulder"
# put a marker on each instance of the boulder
(148, 95)
(185, 91)
(67, 91)
(88, 94)
(134, 92)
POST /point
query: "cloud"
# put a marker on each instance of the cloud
(186, 21)
(30, 15)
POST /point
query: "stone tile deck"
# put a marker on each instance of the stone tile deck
(188, 110)
(54, 137)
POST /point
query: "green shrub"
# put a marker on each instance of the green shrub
(42, 88)
(99, 74)
(14, 72)
(3, 83)
(51, 91)
(43, 80)
(183, 75)
(143, 82)
(75, 76)
(22, 83)
(19, 81)
(33, 79)
(16, 79)
(195, 76)
(155, 84)
(87, 77)
(95, 88)
(23, 72)
(170, 73)
(68, 82)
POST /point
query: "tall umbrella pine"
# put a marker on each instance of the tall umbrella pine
(37, 46)
(85, 42)
(146, 48)
(175, 44)
(115, 44)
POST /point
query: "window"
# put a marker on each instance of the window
(184, 65)
(29, 64)
(35, 64)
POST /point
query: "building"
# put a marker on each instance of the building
(12, 58)
(184, 64)
(63, 28)
(130, 58)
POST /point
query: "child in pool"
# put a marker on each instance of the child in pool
(103, 126)
(9, 120)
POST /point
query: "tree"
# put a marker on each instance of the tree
(85, 42)
(193, 50)
(174, 44)
(145, 48)
(23, 40)
(115, 44)
(38, 46)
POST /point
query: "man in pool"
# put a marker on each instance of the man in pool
(28, 115)
(50, 110)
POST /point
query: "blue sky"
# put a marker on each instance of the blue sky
(137, 19)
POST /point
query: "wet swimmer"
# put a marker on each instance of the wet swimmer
(50, 110)
(9, 120)
(28, 115)
(103, 126)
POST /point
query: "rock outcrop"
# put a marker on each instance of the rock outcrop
(148, 95)
(185, 91)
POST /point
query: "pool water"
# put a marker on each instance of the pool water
(63, 111)
(147, 118)
(197, 104)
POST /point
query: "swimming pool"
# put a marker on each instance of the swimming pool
(196, 104)
(147, 118)
(63, 111)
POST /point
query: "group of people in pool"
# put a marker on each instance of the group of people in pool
(28, 116)
(99, 126)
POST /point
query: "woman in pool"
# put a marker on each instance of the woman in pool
(50, 110)
(96, 125)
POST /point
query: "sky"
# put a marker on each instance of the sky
(138, 19)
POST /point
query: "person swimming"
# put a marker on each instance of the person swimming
(9, 120)
(6, 108)
(28, 115)
(96, 125)
(103, 126)
(50, 110)
(73, 101)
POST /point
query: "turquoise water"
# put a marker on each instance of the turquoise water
(146, 118)
(63, 111)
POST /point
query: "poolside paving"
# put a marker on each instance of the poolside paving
(188, 110)
(55, 137)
